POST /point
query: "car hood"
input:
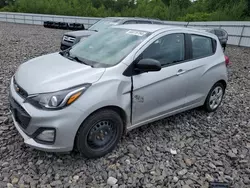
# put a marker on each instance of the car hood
(83, 33)
(54, 72)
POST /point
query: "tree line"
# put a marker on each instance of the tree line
(180, 10)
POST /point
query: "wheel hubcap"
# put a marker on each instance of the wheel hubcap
(101, 134)
(216, 97)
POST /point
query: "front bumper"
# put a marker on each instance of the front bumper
(43, 147)
(65, 122)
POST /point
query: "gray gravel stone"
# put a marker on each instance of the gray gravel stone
(5, 164)
(235, 151)
(186, 186)
(209, 178)
(76, 177)
(132, 149)
(218, 163)
(188, 161)
(211, 165)
(246, 180)
(56, 183)
(231, 155)
(182, 172)
(175, 179)
(39, 162)
(248, 145)
(88, 180)
(9, 185)
(14, 180)
(112, 181)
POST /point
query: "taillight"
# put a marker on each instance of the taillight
(227, 61)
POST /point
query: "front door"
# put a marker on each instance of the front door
(158, 93)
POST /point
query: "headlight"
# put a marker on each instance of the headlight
(57, 100)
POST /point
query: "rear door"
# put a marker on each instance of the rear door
(200, 68)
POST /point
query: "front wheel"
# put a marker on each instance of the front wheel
(99, 134)
(214, 97)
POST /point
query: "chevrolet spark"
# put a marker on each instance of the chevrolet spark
(88, 96)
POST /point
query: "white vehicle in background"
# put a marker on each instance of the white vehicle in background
(71, 38)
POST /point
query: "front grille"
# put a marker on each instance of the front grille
(20, 90)
(69, 39)
(19, 113)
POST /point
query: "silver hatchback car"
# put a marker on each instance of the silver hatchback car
(88, 96)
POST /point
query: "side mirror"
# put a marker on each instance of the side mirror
(148, 65)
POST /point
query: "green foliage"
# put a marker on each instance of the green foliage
(198, 16)
(5, 3)
(183, 10)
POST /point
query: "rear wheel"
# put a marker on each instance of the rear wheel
(99, 134)
(214, 97)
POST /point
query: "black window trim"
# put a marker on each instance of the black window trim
(187, 56)
(149, 21)
(125, 22)
(214, 48)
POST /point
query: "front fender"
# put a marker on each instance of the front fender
(105, 94)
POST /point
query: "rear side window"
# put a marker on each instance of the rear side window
(201, 46)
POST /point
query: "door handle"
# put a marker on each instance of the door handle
(180, 71)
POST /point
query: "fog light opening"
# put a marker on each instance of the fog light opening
(46, 136)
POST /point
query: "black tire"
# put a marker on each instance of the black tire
(83, 143)
(207, 105)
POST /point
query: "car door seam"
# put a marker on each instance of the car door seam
(131, 98)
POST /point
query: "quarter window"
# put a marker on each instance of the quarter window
(168, 49)
(201, 46)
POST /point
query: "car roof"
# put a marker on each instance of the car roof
(207, 28)
(145, 27)
(202, 28)
(134, 18)
(155, 27)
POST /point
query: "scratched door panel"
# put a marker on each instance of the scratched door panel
(157, 93)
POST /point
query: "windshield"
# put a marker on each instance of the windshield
(109, 47)
(104, 24)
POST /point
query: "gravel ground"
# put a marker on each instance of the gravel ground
(187, 150)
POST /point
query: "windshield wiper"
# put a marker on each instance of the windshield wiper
(79, 60)
(66, 53)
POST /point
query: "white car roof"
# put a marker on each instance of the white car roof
(145, 27)
(152, 28)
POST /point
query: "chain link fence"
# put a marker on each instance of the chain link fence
(239, 32)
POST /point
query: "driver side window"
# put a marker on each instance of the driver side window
(168, 49)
